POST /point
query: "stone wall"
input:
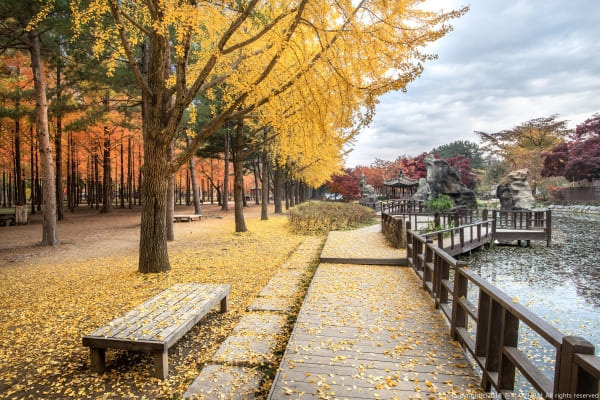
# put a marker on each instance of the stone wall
(393, 228)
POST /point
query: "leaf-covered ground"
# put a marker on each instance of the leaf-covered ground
(48, 306)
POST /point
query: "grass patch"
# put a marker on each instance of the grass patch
(320, 217)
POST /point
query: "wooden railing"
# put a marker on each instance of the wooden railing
(462, 238)
(522, 225)
(489, 330)
(402, 206)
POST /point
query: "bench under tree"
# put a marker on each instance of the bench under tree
(157, 324)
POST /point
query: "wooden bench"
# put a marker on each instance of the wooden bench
(7, 219)
(186, 217)
(157, 324)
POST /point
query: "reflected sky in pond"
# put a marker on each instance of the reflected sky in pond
(560, 284)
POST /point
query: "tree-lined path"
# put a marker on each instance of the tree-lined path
(368, 331)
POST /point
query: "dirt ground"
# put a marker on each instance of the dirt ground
(88, 234)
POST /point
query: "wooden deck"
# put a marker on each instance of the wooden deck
(370, 332)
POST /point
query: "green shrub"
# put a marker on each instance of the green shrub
(442, 203)
(320, 217)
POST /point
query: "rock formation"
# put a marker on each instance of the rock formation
(514, 192)
(443, 179)
(368, 197)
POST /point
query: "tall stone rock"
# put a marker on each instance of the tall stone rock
(443, 179)
(514, 192)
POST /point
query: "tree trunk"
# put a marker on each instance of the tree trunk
(122, 187)
(225, 205)
(129, 172)
(256, 172)
(195, 190)
(106, 179)
(49, 237)
(69, 176)
(264, 213)
(19, 190)
(153, 232)
(170, 198)
(60, 212)
(238, 188)
(32, 168)
(277, 189)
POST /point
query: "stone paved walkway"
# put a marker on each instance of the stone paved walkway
(361, 246)
(370, 332)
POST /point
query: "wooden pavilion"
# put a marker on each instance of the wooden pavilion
(401, 187)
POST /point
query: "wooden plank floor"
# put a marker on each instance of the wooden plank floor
(370, 332)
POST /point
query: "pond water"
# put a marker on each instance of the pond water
(561, 284)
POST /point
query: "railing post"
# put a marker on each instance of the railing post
(427, 258)
(510, 338)
(459, 315)
(548, 228)
(494, 340)
(494, 216)
(564, 377)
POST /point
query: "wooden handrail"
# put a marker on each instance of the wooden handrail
(497, 318)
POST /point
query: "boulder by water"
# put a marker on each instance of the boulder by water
(514, 192)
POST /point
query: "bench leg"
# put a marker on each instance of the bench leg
(98, 360)
(224, 305)
(161, 365)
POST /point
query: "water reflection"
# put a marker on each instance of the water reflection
(560, 284)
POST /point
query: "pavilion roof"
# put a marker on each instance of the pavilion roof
(401, 181)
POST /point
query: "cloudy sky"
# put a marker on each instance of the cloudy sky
(505, 63)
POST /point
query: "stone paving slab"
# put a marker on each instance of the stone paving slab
(246, 349)
(279, 304)
(366, 246)
(260, 324)
(285, 283)
(225, 382)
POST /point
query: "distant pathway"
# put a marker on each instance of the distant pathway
(370, 332)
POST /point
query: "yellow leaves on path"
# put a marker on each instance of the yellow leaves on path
(48, 307)
(368, 331)
(360, 243)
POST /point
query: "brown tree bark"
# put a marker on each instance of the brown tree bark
(49, 237)
(238, 188)
(194, 178)
(122, 186)
(60, 212)
(106, 179)
(277, 189)
(129, 172)
(170, 212)
(32, 168)
(264, 212)
(225, 205)
(153, 255)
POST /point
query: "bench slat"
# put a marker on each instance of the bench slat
(157, 324)
(194, 303)
(118, 325)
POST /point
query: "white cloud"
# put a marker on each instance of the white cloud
(502, 66)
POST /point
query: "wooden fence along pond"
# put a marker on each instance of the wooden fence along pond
(488, 327)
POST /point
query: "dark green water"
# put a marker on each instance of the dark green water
(561, 284)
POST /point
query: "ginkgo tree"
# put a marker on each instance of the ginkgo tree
(237, 48)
